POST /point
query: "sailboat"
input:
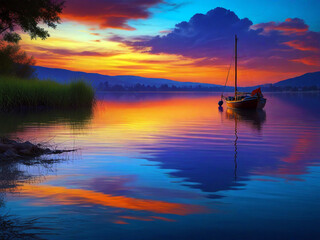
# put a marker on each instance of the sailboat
(240, 100)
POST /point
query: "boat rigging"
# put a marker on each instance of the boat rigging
(243, 100)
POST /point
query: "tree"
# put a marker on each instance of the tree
(14, 61)
(26, 15)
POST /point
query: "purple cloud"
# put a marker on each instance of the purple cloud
(68, 52)
(211, 36)
(289, 26)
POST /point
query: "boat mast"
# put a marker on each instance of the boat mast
(235, 68)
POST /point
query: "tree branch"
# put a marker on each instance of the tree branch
(3, 30)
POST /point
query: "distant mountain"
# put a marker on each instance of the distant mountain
(305, 80)
(64, 76)
(95, 79)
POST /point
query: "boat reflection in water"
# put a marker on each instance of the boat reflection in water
(254, 118)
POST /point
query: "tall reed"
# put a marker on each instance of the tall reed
(20, 94)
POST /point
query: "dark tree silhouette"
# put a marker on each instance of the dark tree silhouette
(15, 61)
(26, 15)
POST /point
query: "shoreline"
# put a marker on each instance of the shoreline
(15, 150)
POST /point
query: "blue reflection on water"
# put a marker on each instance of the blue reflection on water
(233, 175)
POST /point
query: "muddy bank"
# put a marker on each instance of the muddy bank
(15, 149)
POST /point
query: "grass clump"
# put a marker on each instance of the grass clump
(19, 94)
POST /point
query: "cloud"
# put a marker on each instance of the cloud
(310, 41)
(211, 37)
(312, 61)
(108, 13)
(129, 41)
(68, 52)
(165, 31)
(206, 35)
(289, 26)
(175, 6)
(95, 34)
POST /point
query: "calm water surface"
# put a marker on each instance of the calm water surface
(167, 166)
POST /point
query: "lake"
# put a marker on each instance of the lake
(167, 166)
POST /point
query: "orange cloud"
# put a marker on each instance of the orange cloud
(108, 13)
(95, 34)
(289, 26)
(311, 61)
(301, 45)
(165, 31)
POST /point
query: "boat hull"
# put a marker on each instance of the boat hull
(252, 103)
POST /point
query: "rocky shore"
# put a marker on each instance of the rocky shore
(12, 149)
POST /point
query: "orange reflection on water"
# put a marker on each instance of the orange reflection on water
(305, 144)
(147, 219)
(69, 196)
(137, 218)
(125, 123)
(301, 152)
(163, 219)
(155, 112)
(120, 222)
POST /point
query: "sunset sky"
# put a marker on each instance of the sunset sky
(184, 40)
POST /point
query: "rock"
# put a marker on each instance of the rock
(11, 153)
(28, 143)
(26, 152)
(47, 151)
(57, 151)
(4, 147)
(13, 149)
(37, 151)
(25, 145)
(7, 141)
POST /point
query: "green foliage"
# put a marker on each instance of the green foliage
(14, 61)
(26, 15)
(17, 94)
(11, 37)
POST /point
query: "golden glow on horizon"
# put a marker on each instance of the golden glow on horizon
(112, 58)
